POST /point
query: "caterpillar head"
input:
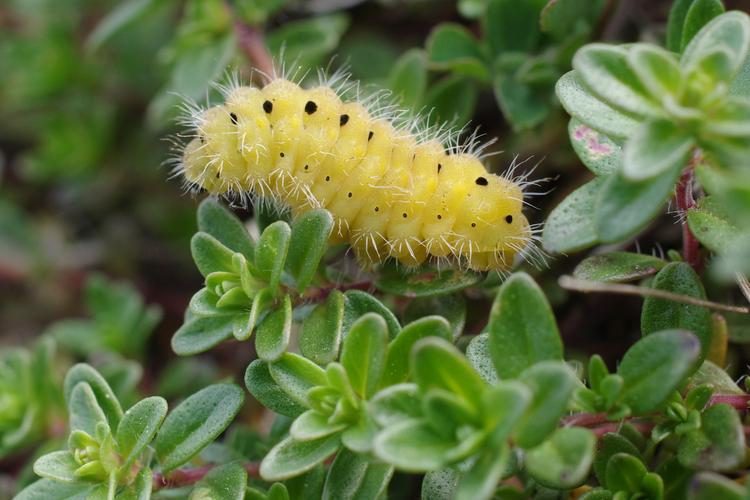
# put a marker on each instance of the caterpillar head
(492, 220)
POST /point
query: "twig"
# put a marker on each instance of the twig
(686, 201)
(571, 283)
(186, 477)
(737, 401)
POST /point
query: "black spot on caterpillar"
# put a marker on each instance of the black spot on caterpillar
(378, 178)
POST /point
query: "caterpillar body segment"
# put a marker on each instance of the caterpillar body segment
(392, 193)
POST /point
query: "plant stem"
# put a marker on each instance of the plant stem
(737, 401)
(253, 44)
(186, 477)
(685, 201)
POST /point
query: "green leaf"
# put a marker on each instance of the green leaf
(718, 445)
(625, 473)
(564, 18)
(291, 458)
(710, 486)
(522, 327)
(84, 410)
(219, 222)
(551, 384)
(358, 303)
(590, 110)
(393, 279)
(731, 120)
(408, 78)
(47, 489)
(437, 364)
(452, 47)
(503, 405)
(697, 16)
(478, 355)
(105, 398)
(353, 476)
(711, 225)
(320, 335)
(676, 24)
(657, 70)
(521, 106)
(730, 31)
(611, 444)
(413, 445)
(657, 147)
(271, 252)
(452, 308)
(618, 267)
(571, 226)
(480, 481)
(624, 207)
(363, 353)
(453, 98)
(440, 484)
(312, 425)
(395, 404)
(272, 338)
(262, 386)
(225, 482)
(296, 375)
(399, 350)
(195, 423)
(244, 324)
(309, 241)
(119, 18)
(655, 366)
(564, 460)
(604, 69)
(715, 377)
(58, 466)
(202, 333)
(597, 152)
(209, 254)
(360, 436)
(140, 489)
(306, 43)
(660, 314)
(511, 26)
(138, 427)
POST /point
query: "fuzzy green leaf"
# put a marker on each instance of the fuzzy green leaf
(59, 466)
(451, 307)
(353, 476)
(399, 350)
(657, 147)
(363, 353)
(195, 423)
(480, 481)
(48, 489)
(296, 375)
(718, 445)
(511, 26)
(710, 486)
(201, 334)
(395, 404)
(597, 151)
(655, 366)
(138, 427)
(551, 384)
(291, 458)
(522, 327)
(358, 303)
(413, 445)
(209, 254)
(618, 267)
(521, 106)
(225, 482)
(271, 252)
(84, 411)
(264, 388)
(312, 425)
(320, 336)
(564, 460)
(571, 226)
(730, 31)
(660, 314)
(429, 283)
(605, 71)
(308, 243)
(408, 78)
(105, 397)
(609, 445)
(218, 221)
(624, 207)
(590, 110)
(625, 473)
(453, 98)
(272, 337)
(453, 47)
(697, 16)
(478, 355)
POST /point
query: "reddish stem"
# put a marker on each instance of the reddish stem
(186, 477)
(252, 42)
(737, 401)
(685, 201)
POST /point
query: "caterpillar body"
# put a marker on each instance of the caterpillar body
(393, 191)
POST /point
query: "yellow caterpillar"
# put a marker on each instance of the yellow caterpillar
(393, 191)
